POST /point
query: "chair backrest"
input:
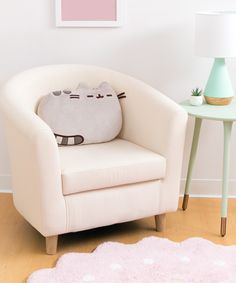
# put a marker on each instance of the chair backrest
(19, 98)
(25, 90)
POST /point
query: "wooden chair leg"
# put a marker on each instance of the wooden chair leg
(51, 245)
(160, 221)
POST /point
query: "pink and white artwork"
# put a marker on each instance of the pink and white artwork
(89, 13)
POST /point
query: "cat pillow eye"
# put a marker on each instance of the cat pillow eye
(83, 116)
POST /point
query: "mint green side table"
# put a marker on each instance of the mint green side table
(227, 115)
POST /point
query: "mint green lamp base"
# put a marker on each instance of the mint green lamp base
(219, 90)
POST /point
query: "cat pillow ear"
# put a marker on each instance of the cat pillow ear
(82, 85)
(106, 87)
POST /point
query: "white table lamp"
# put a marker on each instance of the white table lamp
(216, 37)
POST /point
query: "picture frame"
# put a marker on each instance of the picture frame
(89, 13)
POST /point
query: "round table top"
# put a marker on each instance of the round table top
(211, 112)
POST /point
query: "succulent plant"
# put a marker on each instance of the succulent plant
(196, 92)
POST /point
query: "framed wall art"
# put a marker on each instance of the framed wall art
(89, 13)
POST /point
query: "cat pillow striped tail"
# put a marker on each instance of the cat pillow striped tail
(83, 116)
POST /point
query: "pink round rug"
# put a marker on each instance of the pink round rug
(151, 260)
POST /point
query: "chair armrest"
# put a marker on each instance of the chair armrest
(35, 168)
(157, 123)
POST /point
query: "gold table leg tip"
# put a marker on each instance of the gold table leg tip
(223, 226)
(185, 202)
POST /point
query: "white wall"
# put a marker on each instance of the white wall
(155, 45)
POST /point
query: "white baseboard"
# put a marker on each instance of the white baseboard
(208, 188)
(199, 187)
(5, 184)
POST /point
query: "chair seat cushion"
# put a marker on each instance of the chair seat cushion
(118, 162)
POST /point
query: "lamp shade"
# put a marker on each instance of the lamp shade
(216, 34)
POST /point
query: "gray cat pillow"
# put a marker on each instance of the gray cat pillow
(84, 116)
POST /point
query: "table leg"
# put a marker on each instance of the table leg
(225, 183)
(196, 134)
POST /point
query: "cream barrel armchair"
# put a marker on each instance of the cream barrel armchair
(66, 189)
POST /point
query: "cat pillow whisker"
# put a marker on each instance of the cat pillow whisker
(74, 96)
(121, 95)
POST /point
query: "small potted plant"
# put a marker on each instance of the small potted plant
(196, 98)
